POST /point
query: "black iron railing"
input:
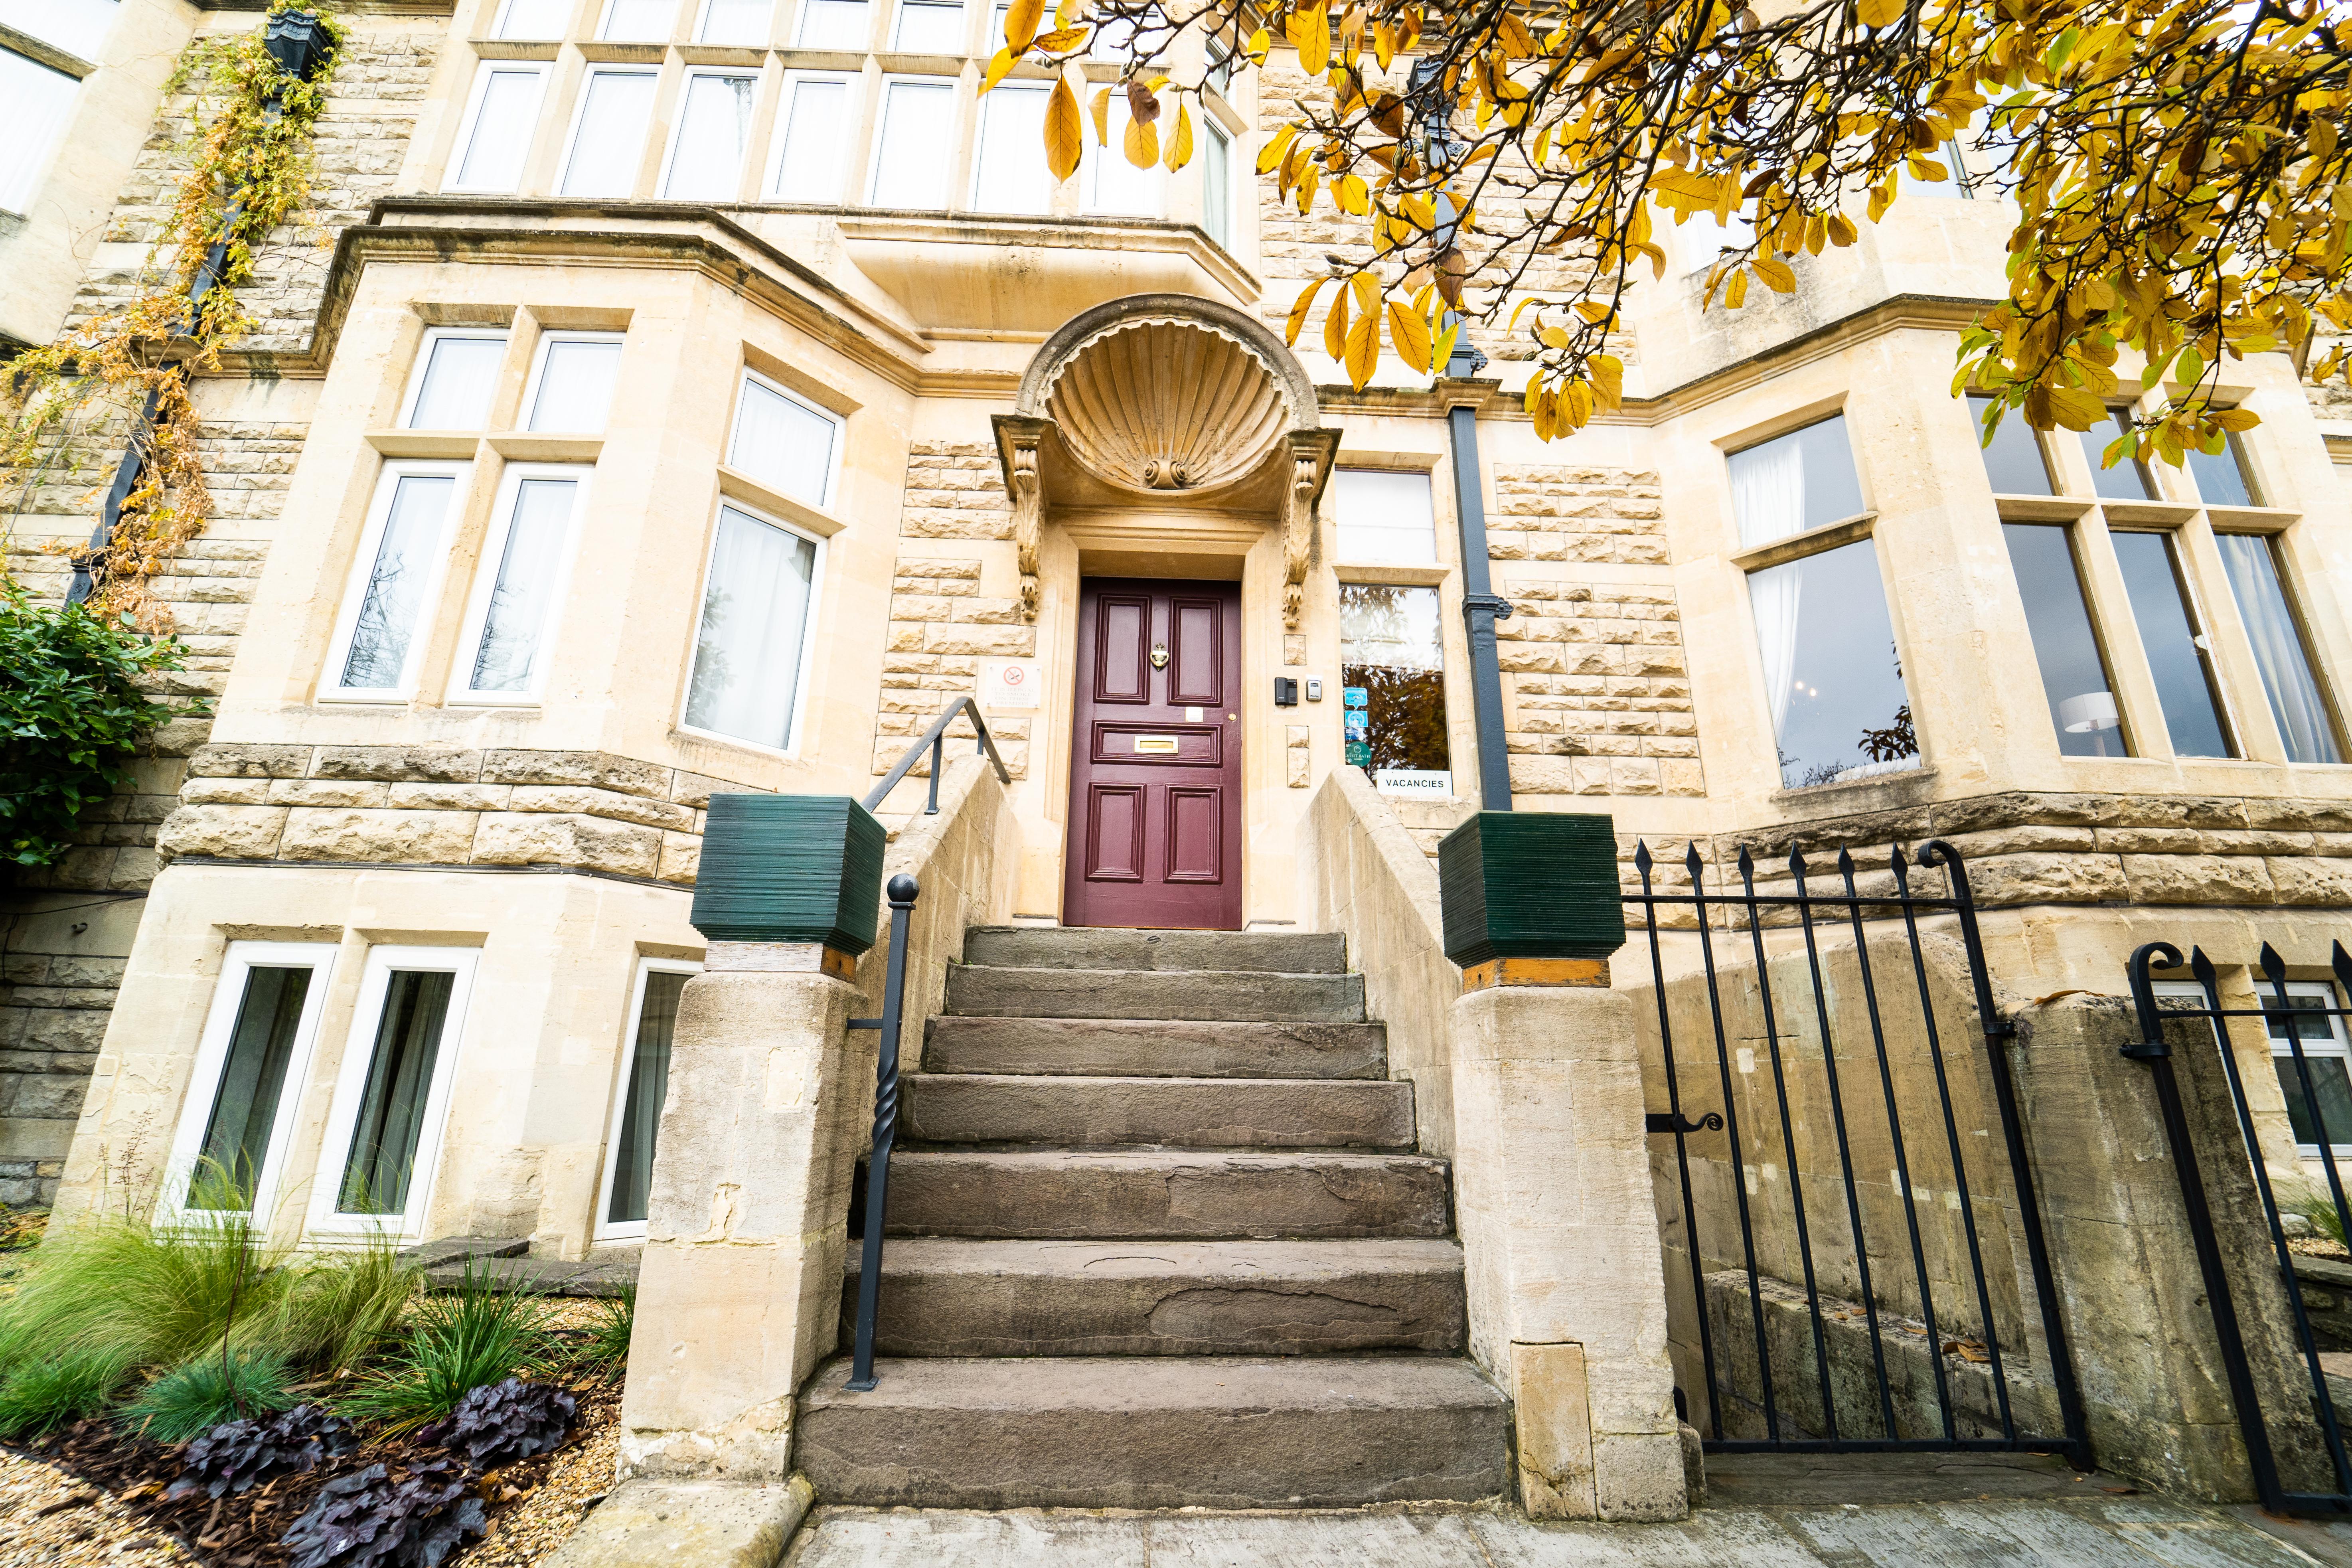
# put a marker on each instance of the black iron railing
(1803, 1041)
(903, 890)
(2280, 1014)
(935, 741)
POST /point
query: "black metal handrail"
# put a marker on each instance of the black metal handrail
(903, 890)
(935, 739)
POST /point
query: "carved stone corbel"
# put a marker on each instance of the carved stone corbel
(1017, 440)
(1310, 460)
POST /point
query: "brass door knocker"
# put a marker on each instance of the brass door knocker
(1159, 655)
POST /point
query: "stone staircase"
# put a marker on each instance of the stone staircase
(1159, 1239)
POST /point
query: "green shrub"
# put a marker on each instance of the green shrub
(71, 712)
(197, 1395)
(340, 1306)
(455, 1342)
(605, 1350)
(43, 1392)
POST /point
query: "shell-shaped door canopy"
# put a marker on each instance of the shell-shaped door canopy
(1166, 406)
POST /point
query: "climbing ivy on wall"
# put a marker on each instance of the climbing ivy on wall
(75, 402)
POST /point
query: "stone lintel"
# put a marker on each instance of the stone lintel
(779, 958)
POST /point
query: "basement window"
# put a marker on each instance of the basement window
(1392, 689)
(392, 1095)
(229, 1151)
(622, 1206)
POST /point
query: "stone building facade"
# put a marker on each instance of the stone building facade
(809, 302)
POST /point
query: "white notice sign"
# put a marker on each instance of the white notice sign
(1422, 784)
(1008, 685)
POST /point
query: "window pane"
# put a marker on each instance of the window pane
(736, 22)
(910, 164)
(639, 21)
(1216, 189)
(2295, 700)
(2222, 479)
(1114, 39)
(832, 25)
(996, 26)
(2126, 481)
(1384, 518)
(2327, 1077)
(1393, 679)
(782, 443)
(535, 18)
(460, 375)
(1013, 175)
(811, 167)
(395, 594)
(1793, 483)
(925, 29)
(641, 1105)
(611, 141)
(2013, 463)
(502, 135)
(2177, 651)
(1839, 706)
(399, 1081)
(77, 27)
(713, 130)
(1219, 74)
(515, 625)
(1116, 185)
(747, 655)
(575, 386)
(252, 1079)
(2074, 676)
(39, 101)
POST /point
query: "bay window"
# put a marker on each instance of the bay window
(1392, 689)
(570, 389)
(2073, 668)
(785, 442)
(608, 132)
(1217, 186)
(714, 130)
(812, 138)
(751, 642)
(527, 560)
(392, 1095)
(2305, 723)
(629, 1148)
(394, 580)
(914, 147)
(1009, 171)
(2014, 461)
(228, 1152)
(494, 138)
(456, 375)
(2179, 653)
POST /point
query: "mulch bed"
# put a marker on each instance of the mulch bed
(242, 1530)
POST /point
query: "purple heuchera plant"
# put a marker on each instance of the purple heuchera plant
(367, 1520)
(500, 1423)
(237, 1455)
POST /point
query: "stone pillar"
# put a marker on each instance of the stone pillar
(1567, 1289)
(740, 1294)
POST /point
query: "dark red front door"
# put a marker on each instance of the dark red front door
(1156, 763)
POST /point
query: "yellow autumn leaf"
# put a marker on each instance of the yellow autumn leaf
(1310, 29)
(1776, 273)
(1735, 289)
(1021, 19)
(1409, 329)
(1367, 291)
(1299, 310)
(1065, 141)
(1363, 353)
(2238, 419)
(1100, 109)
(1878, 13)
(998, 64)
(1335, 326)
(1440, 354)
(1272, 153)
(1419, 211)
(1142, 142)
(1352, 194)
(1259, 43)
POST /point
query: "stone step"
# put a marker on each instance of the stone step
(1130, 1048)
(1221, 994)
(950, 1297)
(1179, 1113)
(1047, 947)
(1073, 1196)
(1155, 1432)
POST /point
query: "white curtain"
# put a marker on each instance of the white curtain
(514, 628)
(909, 169)
(736, 22)
(712, 131)
(612, 135)
(2295, 700)
(1767, 497)
(502, 125)
(811, 167)
(781, 443)
(1012, 177)
(747, 657)
(393, 595)
(575, 386)
(459, 379)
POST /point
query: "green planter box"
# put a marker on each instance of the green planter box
(789, 867)
(1530, 884)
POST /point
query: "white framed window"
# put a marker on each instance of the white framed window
(455, 376)
(1112, 184)
(1219, 73)
(637, 21)
(714, 130)
(572, 379)
(1009, 171)
(394, 580)
(532, 20)
(1701, 238)
(913, 146)
(997, 13)
(1217, 186)
(518, 589)
(1385, 516)
(228, 1152)
(494, 138)
(607, 142)
(77, 27)
(785, 442)
(2282, 651)
(630, 1144)
(2322, 1037)
(35, 102)
(928, 27)
(751, 641)
(813, 126)
(743, 22)
(834, 25)
(392, 1094)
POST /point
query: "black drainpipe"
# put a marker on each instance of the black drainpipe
(1481, 607)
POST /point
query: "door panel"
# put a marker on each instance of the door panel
(1155, 777)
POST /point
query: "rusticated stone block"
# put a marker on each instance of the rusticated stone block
(2047, 878)
(325, 792)
(2315, 815)
(249, 761)
(597, 770)
(603, 803)
(681, 857)
(2198, 880)
(2310, 880)
(226, 792)
(448, 796)
(551, 839)
(2013, 806)
(429, 763)
(413, 837)
(231, 832)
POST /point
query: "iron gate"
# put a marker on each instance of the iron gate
(2282, 1019)
(1853, 1308)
